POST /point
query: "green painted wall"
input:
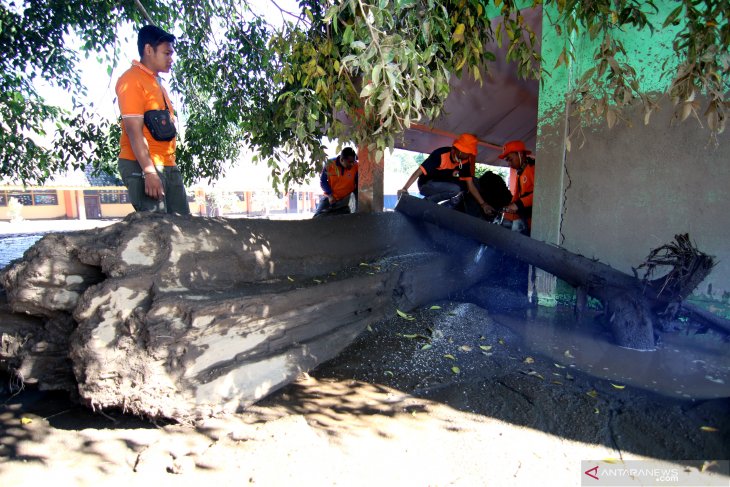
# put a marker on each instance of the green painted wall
(647, 50)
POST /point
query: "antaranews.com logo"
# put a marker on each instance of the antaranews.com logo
(655, 472)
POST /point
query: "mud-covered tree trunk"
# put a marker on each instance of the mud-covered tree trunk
(184, 317)
(628, 300)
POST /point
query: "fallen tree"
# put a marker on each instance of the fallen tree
(631, 303)
(184, 317)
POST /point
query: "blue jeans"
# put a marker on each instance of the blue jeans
(439, 190)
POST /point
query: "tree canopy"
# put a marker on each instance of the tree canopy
(353, 70)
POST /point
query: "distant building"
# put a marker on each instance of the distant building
(77, 195)
(82, 195)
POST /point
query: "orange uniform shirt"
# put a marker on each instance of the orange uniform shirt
(138, 91)
(522, 186)
(341, 181)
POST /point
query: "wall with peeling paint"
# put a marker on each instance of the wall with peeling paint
(630, 189)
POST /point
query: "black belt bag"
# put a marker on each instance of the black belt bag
(159, 123)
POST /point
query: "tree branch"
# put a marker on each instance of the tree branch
(142, 10)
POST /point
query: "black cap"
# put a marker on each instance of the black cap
(152, 35)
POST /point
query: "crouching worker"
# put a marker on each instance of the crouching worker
(519, 211)
(338, 181)
(448, 172)
(494, 191)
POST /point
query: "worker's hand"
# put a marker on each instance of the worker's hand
(511, 208)
(401, 192)
(153, 186)
(488, 210)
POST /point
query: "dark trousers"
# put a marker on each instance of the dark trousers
(339, 207)
(176, 198)
(439, 190)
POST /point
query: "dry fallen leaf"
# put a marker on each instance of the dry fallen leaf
(426, 346)
(486, 348)
(465, 348)
(611, 460)
(25, 420)
(559, 366)
(617, 386)
(529, 360)
(290, 278)
(411, 337)
(556, 382)
(449, 356)
(370, 328)
(709, 429)
(592, 393)
(501, 342)
(568, 354)
(405, 316)
(389, 372)
(435, 307)
(455, 369)
(596, 411)
(569, 377)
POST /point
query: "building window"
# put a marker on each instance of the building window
(35, 197)
(114, 197)
(109, 197)
(45, 197)
(25, 198)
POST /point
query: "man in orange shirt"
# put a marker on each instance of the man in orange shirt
(338, 181)
(519, 211)
(147, 164)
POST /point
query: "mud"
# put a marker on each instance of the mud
(390, 410)
(511, 373)
(448, 394)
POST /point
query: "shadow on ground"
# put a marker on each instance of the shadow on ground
(445, 384)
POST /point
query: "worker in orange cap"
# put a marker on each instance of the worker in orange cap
(522, 184)
(447, 172)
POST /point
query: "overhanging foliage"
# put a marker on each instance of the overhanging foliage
(349, 70)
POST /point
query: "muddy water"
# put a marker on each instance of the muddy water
(684, 366)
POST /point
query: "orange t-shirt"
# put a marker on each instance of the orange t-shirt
(342, 181)
(138, 91)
